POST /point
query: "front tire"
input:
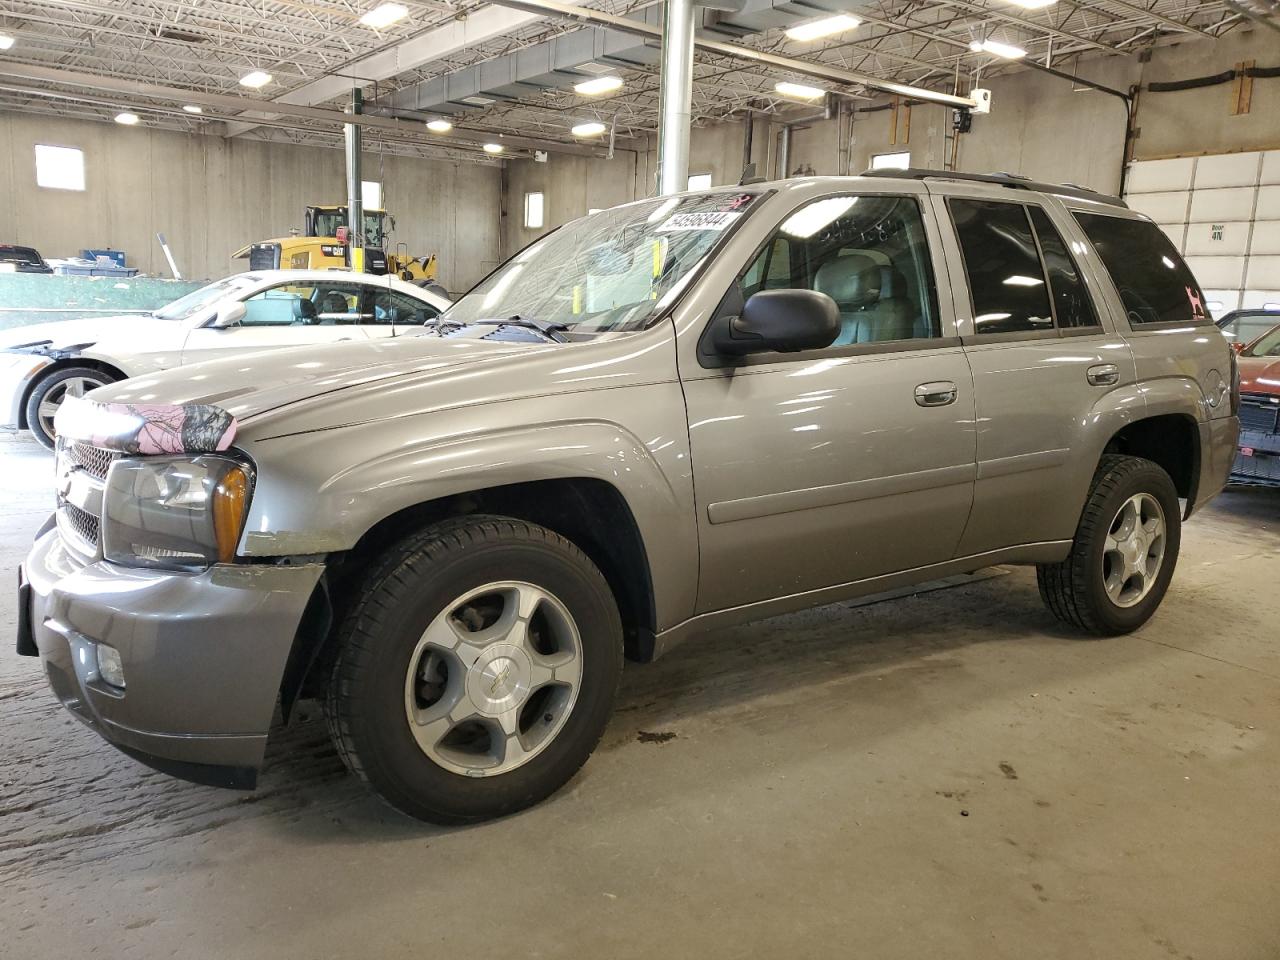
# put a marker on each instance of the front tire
(1124, 553)
(476, 670)
(48, 393)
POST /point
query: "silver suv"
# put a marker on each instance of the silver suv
(673, 415)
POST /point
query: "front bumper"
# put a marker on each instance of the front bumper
(203, 654)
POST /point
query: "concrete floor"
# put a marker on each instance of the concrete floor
(946, 775)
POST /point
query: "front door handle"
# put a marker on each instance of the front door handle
(939, 393)
(1103, 374)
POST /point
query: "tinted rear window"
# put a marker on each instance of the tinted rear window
(1150, 276)
(18, 255)
(1000, 256)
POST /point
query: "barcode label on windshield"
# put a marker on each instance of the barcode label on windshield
(712, 220)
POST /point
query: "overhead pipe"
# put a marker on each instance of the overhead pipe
(820, 71)
(675, 102)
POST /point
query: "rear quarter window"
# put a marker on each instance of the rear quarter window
(1154, 283)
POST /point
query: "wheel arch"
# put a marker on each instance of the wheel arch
(590, 512)
(1171, 440)
(62, 363)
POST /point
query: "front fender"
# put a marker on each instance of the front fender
(321, 492)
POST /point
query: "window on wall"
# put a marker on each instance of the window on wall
(371, 194)
(891, 161)
(700, 181)
(533, 210)
(59, 168)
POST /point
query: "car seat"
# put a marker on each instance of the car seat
(304, 311)
(872, 299)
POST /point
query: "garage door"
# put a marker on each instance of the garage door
(1223, 213)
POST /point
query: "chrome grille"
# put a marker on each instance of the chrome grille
(1258, 414)
(93, 460)
(82, 524)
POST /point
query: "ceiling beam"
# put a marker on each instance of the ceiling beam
(479, 26)
(808, 68)
(456, 138)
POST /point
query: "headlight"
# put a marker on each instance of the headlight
(174, 512)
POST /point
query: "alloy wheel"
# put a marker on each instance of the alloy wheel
(1133, 552)
(493, 679)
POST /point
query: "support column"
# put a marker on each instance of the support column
(675, 111)
(355, 203)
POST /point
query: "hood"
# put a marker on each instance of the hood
(1260, 375)
(250, 385)
(62, 334)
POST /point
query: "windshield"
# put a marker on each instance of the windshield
(1268, 345)
(198, 300)
(609, 271)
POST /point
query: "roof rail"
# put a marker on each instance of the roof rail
(1011, 180)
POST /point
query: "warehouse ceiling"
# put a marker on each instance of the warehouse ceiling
(314, 51)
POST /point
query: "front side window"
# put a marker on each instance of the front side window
(868, 253)
(1006, 282)
(1072, 307)
(288, 304)
(608, 271)
(1154, 283)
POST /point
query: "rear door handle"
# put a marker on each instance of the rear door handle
(939, 393)
(1103, 374)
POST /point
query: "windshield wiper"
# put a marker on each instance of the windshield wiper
(549, 329)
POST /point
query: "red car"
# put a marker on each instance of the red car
(1258, 460)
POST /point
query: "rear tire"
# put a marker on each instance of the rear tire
(476, 670)
(47, 395)
(1124, 553)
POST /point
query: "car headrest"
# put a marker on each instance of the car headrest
(333, 303)
(305, 311)
(852, 281)
(893, 284)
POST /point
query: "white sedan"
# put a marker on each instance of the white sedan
(42, 364)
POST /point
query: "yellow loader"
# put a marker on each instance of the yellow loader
(324, 246)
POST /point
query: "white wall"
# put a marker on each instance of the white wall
(210, 196)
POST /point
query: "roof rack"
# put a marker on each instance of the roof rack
(1012, 180)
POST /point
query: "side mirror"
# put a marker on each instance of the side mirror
(228, 315)
(779, 320)
(1238, 346)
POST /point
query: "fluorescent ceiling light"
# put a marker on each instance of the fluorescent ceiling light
(593, 88)
(1034, 4)
(589, 129)
(493, 148)
(127, 118)
(807, 221)
(997, 49)
(6, 41)
(384, 15)
(789, 89)
(439, 126)
(192, 108)
(255, 79)
(827, 27)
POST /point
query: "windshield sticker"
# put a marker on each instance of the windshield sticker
(738, 202)
(714, 221)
